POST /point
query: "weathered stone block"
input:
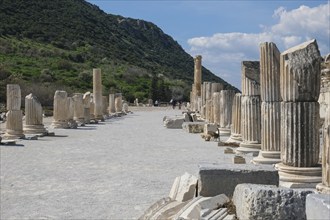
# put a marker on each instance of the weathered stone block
(217, 179)
(318, 206)
(269, 202)
(174, 123)
(184, 188)
(193, 127)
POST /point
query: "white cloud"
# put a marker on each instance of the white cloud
(223, 52)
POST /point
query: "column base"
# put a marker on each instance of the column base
(80, 121)
(234, 139)
(323, 188)
(12, 135)
(34, 129)
(246, 148)
(99, 117)
(298, 177)
(267, 157)
(224, 131)
(60, 124)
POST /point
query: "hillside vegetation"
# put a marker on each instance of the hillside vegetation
(54, 44)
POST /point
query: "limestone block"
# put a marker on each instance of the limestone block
(13, 97)
(317, 206)
(215, 179)
(238, 159)
(184, 188)
(228, 150)
(164, 208)
(269, 202)
(187, 117)
(300, 134)
(173, 122)
(250, 78)
(210, 129)
(193, 209)
(218, 214)
(300, 73)
(193, 127)
(270, 72)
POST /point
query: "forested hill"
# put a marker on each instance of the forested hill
(50, 44)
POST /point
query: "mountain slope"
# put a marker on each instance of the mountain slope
(59, 41)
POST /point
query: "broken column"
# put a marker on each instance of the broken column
(250, 115)
(14, 124)
(97, 94)
(105, 105)
(78, 112)
(60, 115)
(271, 105)
(235, 132)
(112, 108)
(226, 104)
(70, 113)
(118, 103)
(300, 88)
(87, 105)
(91, 110)
(33, 116)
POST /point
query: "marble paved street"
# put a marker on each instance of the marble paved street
(112, 170)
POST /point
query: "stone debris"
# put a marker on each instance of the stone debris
(228, 150)
(254, 201)
(173, 122)
(238, 159)
(184, 188)
(193, 210)
(193, 127)
(317, 206)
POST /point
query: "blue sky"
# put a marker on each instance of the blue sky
(228, 32)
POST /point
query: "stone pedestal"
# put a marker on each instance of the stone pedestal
(87, 105)
(324, 187)
(236, 134)
(226, 104)
(118, 103)
(14, 124)
(97, 94)
(33, 116)
(250, 125)
(60, 115)
(112, 108)
(78, 112)
(300, 87)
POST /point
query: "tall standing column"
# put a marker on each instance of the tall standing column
(226, 104)
(33, 116)
(97, 94)
(60, 115)
(112, 108)
(300, 88)
(198, 75)
(236, 134)
(251, 108)
(216, 107)
(14, 124)
(271, 105)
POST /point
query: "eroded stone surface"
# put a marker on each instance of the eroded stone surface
(184, 188)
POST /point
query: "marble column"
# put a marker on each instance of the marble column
(60, 115)
(33, 116)
(112, 108)
(118, 103)
(236, 134)
(216, 87)
(97, 94)
(70, 113)
(271, 105)
(198, 75)
(216, 107)
(14, 123)
(324, 187)
(78, 112)
(208, 111)
(226, 104)
(300, 88)
(87, 105)
(251, 108)
(105, 105)
(91, 109)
